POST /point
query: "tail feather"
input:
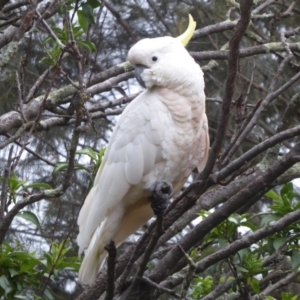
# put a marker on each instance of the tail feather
(95, 253)
(135, 216)
(83, 215)
(90, 266)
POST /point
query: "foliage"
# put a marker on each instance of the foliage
(22, 273)
(75, 33)
(250, 266)
(201, 287)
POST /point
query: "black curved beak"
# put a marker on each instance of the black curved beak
(139, 69)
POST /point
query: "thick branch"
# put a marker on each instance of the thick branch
(261, 182)
(246, 52)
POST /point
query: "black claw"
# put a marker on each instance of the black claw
(161, 192)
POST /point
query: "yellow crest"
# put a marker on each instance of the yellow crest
(187, 35)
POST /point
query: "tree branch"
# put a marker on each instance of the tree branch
(234, 43)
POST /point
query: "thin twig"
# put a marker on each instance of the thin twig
(145, 258)
(190, 274)
(48, 162)
(160, 288)
(270, 96)
(121, 21)
(111, 264)
(135, 254)
(50, 31)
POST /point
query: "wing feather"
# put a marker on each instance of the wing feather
(203, 148)
(132, 152)
(134, 166)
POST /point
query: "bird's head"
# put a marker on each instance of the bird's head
(163, 61)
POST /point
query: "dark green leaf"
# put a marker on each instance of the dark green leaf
(88, 13)
(94, 3)
(82, 21)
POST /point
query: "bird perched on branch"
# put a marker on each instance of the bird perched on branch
(161, 135)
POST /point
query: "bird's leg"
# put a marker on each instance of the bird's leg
(161, 192)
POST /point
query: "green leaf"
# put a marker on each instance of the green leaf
(222, 242)
(47, 40)
(271, 194)
(61, 34)
(286, 188)
(278, 242)
(269, 218)
(241, 269)
(89, 46)
(82, 21)
(234, 220)
(38, 185)
(29, 216)
(93, 3)
(82, 167)
(87, 10)
(89, 152)
(255, 285)
(13, 272)
(48, 294)
(14, 183)
(242, 253)
(26, 266)
(249, 225)
(288, 296)
(49, 260)
(47, 60)
(60, 166)
(85, 16)
(5, 284)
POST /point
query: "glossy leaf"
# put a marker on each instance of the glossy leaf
(29, 216)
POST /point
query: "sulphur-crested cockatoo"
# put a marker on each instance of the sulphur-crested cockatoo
(161, 135)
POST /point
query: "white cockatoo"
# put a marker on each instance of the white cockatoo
(161, 135)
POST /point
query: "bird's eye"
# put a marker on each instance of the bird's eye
(154, 58)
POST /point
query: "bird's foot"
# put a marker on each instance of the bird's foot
(161, 192)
